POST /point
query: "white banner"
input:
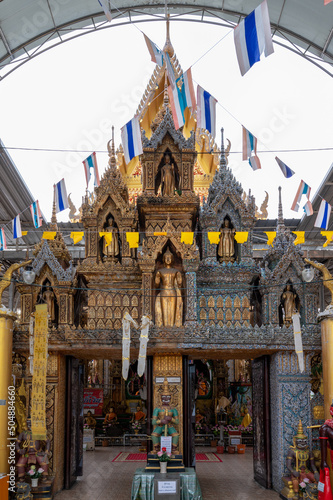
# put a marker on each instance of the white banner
(127, 320)
(298, 341)
(145, 322)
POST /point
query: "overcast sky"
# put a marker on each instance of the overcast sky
(68, 98)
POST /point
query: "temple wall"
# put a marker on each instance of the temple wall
(290, 402)
(59, 426)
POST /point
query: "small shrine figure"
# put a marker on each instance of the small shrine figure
(139, 415)
(199, 419)
(247, 418)
(48, 297)
(326, 439)
(110, 417)
(168, 177)
(169, 302)
(300, 461)
(89, 420)
(111, 250)
(288, 300)
(31, 451)
(164, 420)
(226, 248)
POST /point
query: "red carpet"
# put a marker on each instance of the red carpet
(142, 457)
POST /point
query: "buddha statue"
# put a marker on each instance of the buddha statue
(168, 177)
(164, 420)
(226, 247)
(288, 300)
(90, 421)
(247, 418)
(48, 297)
(110, 417)
(139, 415)
(111, 250)
(300, 461)
(169, 302)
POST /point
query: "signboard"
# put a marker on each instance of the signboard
(166, 442)
(167, 487)
(93, 400)
(171, 380)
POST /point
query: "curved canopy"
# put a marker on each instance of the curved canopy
(29, 27)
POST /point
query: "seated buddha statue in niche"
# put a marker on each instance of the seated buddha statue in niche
(169, 302)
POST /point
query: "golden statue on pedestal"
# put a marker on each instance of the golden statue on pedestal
(169, 302)
(111, 250)
(226, 248)
(288, 300)
(168, 177)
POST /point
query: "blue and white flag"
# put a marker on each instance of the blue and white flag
(206, 111)
(131, 139)
(16, 225)
(323, 216)
(249, 144)
(287, 172)
(88, 163)
(36, 214)
(3, 243)
(105, 7)
(155, 53)
(60, 196)
(177, 106)
(187, 89)
(252, 37)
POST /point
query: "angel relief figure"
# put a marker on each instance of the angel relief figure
(169, 301)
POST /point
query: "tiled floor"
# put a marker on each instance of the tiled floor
(106, 480)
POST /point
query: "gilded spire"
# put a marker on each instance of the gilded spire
(223, 160)
(280, 225)
(166, 95)
(111, 150)
(168, 45)
(54, 222)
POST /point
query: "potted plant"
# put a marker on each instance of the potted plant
(216, 431)
(198, 428)
(136, 426)
(35, 474)
(164, 457)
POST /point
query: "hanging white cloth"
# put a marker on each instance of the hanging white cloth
(127, 320)
(145, 322)
(298, 341)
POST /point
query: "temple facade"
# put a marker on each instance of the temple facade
(221, 319)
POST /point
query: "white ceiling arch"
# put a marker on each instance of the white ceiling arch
(29, 27)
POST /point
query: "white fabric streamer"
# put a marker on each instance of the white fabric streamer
(127, 320)
(298, 341)
(145, 322)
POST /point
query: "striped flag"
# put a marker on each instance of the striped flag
(170, 71)
(177, 106)
(105, 7)
(187, 89)
(88, 163)
(131, 139)
(302, 189)
(155, 53)
(252, 37)
(323, 216)
(249, 144)
(308, 208)
(3, 243)
(36, 214)
(254, 162)
(287, 172)
(206, 110)
(60, 196)
(16, 225)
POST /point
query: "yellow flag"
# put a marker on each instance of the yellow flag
(77, 236)
(328, 235)
(241, 236)
(160, 233)
(300, 237)
(49, 235)
(24, 233)
(132, 239)
(214, 238)
(107, 236)
(187, 238)
(271, 236)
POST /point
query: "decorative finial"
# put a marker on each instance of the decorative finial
(166, 95)
(111, 150)
(223, 161)
(280, 225)
(168, 45)
(54, 222)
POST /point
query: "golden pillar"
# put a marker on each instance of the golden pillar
(6, 344)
